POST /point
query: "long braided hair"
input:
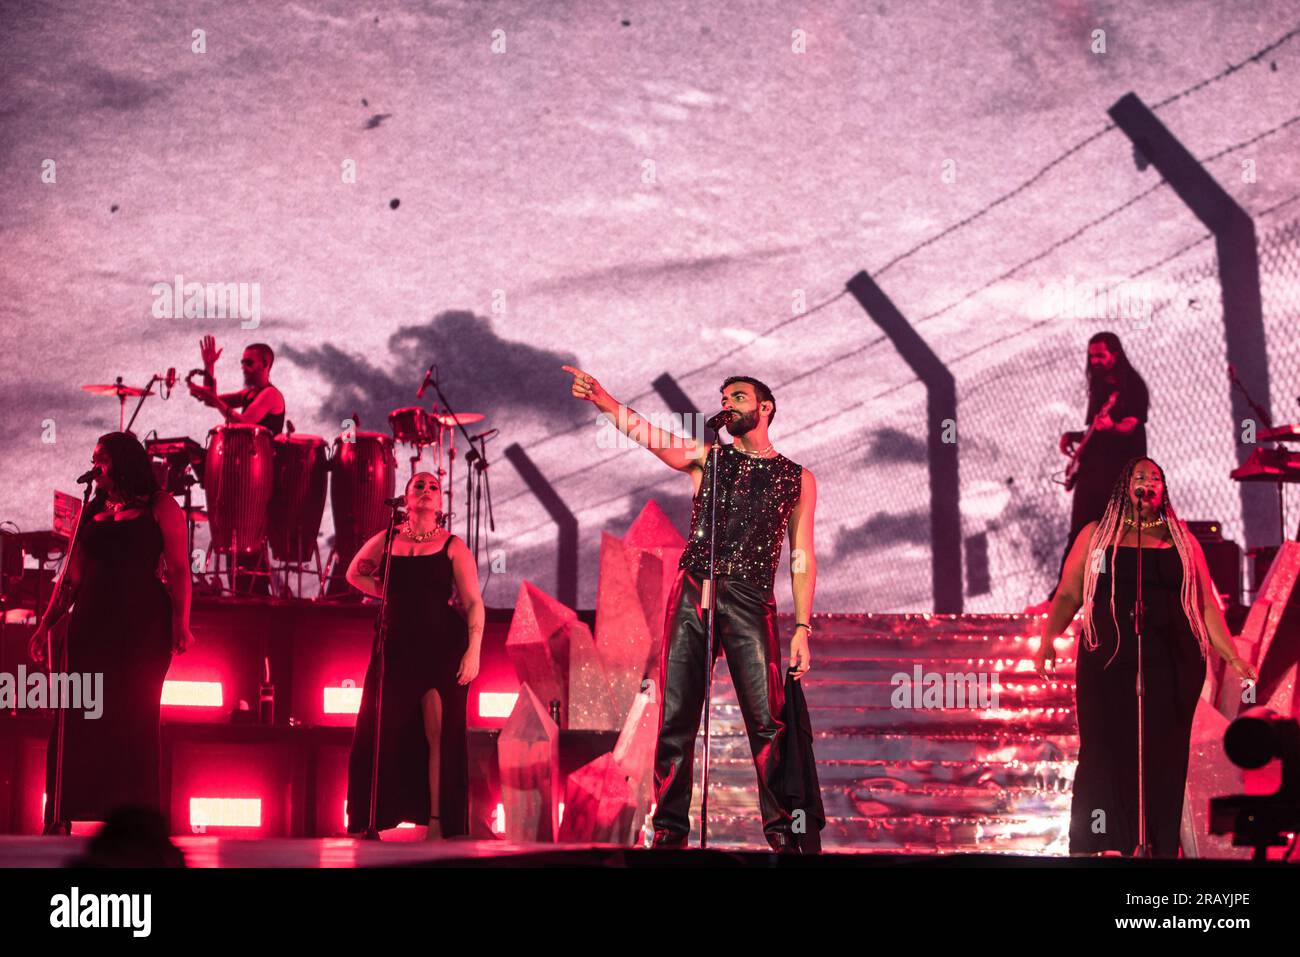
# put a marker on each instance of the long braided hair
(1107, 536)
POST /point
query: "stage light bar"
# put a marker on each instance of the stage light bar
(342, 700)
(192, 694)
(496, 704)
(225, 812)
(499, 820)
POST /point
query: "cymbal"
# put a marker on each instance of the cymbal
(114, 389)
(460, 418)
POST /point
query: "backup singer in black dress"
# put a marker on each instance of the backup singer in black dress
(1181, 620)
(125, 624)
(430, 658)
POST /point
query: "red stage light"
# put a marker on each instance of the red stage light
(192, 694)
(496, 704)
(206, 812)
(345, 699)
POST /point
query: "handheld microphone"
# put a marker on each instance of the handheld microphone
(484, 435)
(1140, 493)
(89, 476)
(719, 420)
(428, 377)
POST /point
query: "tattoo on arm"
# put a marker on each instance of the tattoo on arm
(366, 567)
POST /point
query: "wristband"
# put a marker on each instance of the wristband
(803, 624)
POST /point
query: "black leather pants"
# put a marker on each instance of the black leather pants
(745, 630)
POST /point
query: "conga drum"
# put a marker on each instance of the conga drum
(238, 474)
(364, 473)
(297, 495)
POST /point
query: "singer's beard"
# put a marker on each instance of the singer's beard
(740, 424)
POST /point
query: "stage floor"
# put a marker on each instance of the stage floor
(202, 851)
(223, 852)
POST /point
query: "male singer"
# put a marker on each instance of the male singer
(761, 494)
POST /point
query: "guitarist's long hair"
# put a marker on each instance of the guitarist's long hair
(1105, 539)
(1123, 371)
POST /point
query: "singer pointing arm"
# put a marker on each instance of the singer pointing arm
(681, 453)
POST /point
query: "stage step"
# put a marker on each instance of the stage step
(990, 773)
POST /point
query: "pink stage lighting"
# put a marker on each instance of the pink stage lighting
(343, 700)
(208, 812)
(496, 704)
(192, 694)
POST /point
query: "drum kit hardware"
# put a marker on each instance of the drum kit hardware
(123, 392)
(438, 428)
(432, 429)
(178, 466)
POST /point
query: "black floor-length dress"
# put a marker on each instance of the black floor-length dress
(426, 641)
(1103, 813)
(120, 627)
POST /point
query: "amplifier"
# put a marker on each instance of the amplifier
(1223, 558)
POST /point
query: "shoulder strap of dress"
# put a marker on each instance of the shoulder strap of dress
(447, 544)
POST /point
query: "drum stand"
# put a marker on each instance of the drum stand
(288, 568)
(263, 568)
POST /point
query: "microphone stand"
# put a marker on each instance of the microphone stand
(144, 395)
(1143, 846)
(381, 640)
(55, 824)
(710, 602)
(469, 439)
(477, 462)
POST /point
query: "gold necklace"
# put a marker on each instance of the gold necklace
(409, 531)
(1145, 525)
(761, 454)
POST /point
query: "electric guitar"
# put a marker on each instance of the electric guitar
(1072, 470)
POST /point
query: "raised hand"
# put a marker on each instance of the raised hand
(209, 352)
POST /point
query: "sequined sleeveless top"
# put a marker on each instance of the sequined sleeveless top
(755, 498)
